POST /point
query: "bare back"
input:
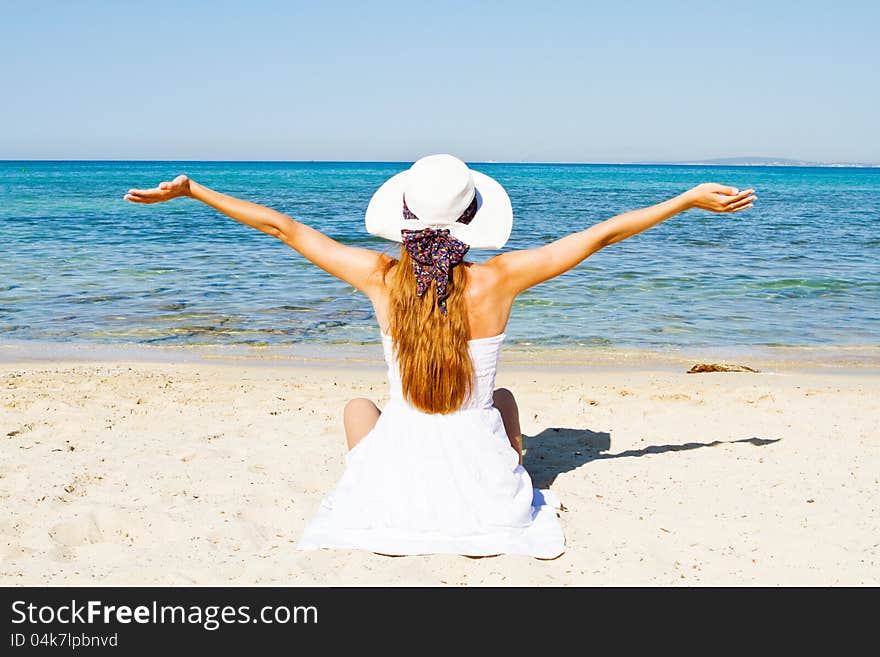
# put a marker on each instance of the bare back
(488, 304)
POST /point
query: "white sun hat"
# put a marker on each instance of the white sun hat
(440, 191)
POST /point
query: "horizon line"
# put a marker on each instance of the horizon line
(772, 162)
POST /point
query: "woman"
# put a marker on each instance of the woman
(439, 469)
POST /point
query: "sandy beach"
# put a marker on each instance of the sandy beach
(148, 472)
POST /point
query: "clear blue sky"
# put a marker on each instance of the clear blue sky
(537, 81)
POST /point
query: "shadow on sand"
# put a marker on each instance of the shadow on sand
(557, 450)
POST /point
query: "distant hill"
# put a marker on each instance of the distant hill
(766, 162)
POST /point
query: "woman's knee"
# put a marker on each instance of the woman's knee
(359, 417)
(358, 406)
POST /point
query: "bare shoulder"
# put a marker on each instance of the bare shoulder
(385, 265)
(483, 277)
(488, 307)
(488, 301)
(502, 272)
(380, 278)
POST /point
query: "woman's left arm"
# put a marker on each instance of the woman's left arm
(520, 270)
(360, 268)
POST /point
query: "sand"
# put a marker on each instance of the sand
(145, 472)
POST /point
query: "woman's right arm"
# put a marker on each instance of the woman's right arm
(360, 268)
(519, 270)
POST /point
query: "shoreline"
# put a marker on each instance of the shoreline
(857, 359)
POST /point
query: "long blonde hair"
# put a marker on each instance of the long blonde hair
(436, 370)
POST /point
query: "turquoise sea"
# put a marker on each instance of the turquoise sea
(80, 264)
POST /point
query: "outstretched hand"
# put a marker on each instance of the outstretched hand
(720, 198)
(165, 191)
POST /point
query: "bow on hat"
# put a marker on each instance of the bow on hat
(434, 252)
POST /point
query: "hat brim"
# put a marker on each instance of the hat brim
(489, 229)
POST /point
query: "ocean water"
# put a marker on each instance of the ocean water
(80, 264)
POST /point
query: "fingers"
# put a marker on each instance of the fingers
(715, 188)
(137, 193)
(737, 198)
(742, 204)
(142, 196)
(152, 195)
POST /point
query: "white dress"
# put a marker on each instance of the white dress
(421, 483)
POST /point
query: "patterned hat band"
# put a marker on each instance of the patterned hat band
(434, 252)
(466, 217)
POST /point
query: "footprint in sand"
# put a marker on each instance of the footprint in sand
(670, 396)
(754, 400)
(113, 525)
(25, 428)
(77, 531)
